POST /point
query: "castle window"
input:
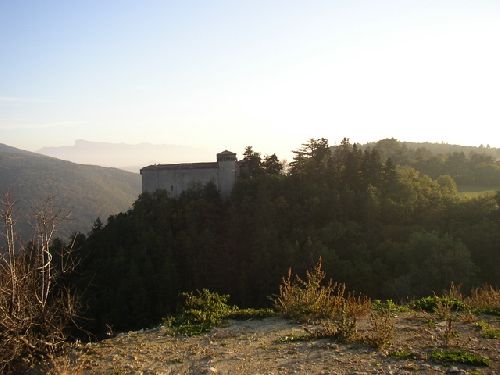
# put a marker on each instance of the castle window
(171, 187)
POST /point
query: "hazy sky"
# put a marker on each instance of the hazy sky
(225, 74)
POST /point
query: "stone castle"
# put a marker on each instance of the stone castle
(176, 178)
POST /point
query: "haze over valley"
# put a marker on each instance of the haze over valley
(131, 157)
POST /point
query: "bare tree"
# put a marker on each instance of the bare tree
(35, 309)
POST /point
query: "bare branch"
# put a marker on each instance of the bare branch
(34, 308)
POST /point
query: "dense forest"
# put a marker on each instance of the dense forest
(378, 223)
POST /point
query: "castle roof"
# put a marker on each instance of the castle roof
(156, 167)
(226, 152)
(224, 155)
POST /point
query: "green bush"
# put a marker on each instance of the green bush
(200, 312)
(296, 338)
(459, 356)
(487, 331)
(402, 354)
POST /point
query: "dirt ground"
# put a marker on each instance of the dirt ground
(265, 347)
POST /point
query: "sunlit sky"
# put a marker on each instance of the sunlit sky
(272, 74)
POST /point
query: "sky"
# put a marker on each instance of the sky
(226, 74)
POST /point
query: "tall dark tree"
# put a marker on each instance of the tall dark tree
(272, 165)
(251, 163)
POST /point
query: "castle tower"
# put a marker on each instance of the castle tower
(226, 172)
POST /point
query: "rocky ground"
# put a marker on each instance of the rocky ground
(270, 346)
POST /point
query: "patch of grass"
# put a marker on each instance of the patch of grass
(459, 357)
(487, 331)
(388, 304)
(295, 338)
(477, 188)
(432, 303)
(494, 312)
(402, 354)
(250, 314)
(468, 195)
(467, 192)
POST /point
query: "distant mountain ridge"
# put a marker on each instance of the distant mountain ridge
(87, 191)
(130, 157)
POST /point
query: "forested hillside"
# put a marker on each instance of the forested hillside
(84, 190)
(388, 231)
(472, 168)
(436, 148)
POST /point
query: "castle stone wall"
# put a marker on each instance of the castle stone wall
(176, 178)
(175, 181)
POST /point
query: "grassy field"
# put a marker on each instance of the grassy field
(470, 192)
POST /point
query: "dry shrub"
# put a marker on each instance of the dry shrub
(346, 318)
(381, 329)
(308, 300)
(34, 308)
(485, 298)
(63, 365)
(454, 292)
(313, 301)
(446, 310)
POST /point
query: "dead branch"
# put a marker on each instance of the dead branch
(34, 308)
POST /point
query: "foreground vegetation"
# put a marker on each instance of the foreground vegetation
(336, 330)
(37, 305)
(203, 310)
(387, 231)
